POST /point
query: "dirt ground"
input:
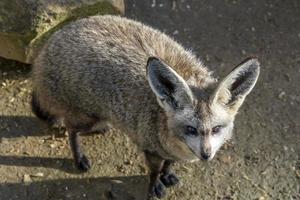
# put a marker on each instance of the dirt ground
(262, 160)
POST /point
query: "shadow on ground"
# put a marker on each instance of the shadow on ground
(104, 188)
(18, 126)
(63, 164)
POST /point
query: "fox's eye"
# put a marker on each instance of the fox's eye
(216, 129)
(191, 131)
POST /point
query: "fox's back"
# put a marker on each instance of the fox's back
(98, 64)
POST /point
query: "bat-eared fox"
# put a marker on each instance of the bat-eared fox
(111, 71)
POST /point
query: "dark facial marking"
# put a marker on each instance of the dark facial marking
(191, 131)
(216, 129)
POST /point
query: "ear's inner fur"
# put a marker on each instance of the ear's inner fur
(168, 86)
(242, 84)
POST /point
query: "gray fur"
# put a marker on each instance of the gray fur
(94, 71)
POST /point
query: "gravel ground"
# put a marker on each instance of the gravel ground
(262, 160)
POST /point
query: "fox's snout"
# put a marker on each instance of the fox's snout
(206, 150)
(205, 155)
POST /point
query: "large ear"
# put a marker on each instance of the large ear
(171, 90)
(233, 89)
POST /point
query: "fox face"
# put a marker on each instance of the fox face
(200, 122)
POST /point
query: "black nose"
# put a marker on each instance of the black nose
(205, 156)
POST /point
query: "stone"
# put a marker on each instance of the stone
(26, 24)
(26, 179)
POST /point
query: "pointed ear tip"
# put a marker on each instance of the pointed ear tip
(253, 61)
(151, 59)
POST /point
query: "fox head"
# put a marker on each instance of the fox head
(200, 121)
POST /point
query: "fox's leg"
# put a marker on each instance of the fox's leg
(168, 178)
(77, 123)
(156, 187)
(81, 161)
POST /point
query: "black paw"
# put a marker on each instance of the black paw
(169, 179)
(158, 190)
(83, 164)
